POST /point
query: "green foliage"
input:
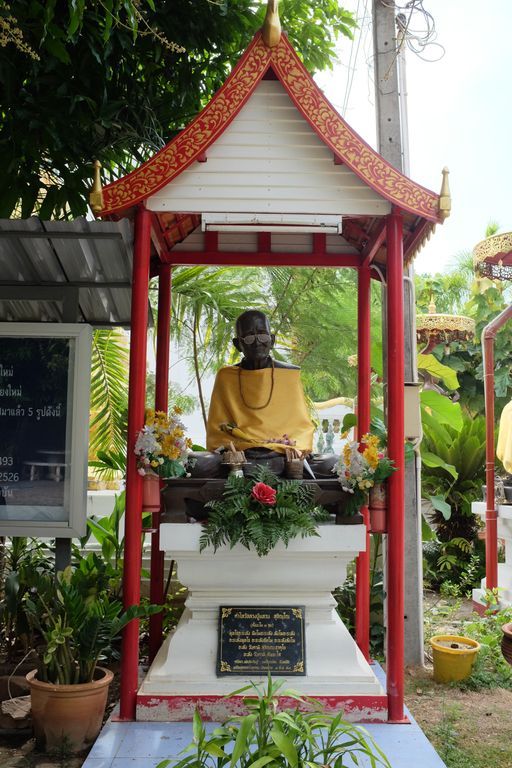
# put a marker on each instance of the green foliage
(206, 303)
(19, 557)
(450, 750)
(431, 364)
(345, 597)
(436, 409)
(109, 394)
(109, 462)
(105, 83)
(458, 291)
(314, 314)
(284, 738)
(76, 620)
(490, 670)
(240, 518)
(453, 472)
(454, 567)
(186, 403)
(106, 531)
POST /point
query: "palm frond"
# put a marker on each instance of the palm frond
(109, 391)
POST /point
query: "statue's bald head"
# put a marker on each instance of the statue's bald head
(247, 320)
(253, 339)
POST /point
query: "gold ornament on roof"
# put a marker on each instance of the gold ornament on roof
(445, 198)
(437, 328)
(492, 257)
(96, 193)
(271, 29)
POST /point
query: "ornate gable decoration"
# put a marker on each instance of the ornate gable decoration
(307, 97)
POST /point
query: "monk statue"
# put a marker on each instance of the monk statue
(258, 404)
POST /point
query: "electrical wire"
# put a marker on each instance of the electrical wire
(353, 67)
(417, 29)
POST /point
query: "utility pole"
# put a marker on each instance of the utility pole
(391, 112)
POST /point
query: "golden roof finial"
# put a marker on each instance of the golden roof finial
(445, 198)
(271, 29)
(96, 193)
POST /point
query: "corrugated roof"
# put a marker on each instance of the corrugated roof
(74, 271)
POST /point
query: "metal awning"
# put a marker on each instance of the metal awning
(66, 271)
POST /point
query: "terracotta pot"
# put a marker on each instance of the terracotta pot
(151, 493)
(68, 716)
(506, 642)
(377, 508)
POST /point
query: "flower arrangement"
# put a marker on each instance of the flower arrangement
(161, 446)
(360, 467)
(259, 511)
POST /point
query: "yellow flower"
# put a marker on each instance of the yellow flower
(371, 456)
(372, 441)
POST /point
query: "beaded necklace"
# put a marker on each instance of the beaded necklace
(256, 407)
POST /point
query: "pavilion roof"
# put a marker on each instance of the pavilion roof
(422, 207)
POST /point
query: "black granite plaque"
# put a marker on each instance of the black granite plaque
(256, 641)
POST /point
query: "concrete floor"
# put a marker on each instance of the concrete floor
(145, 745)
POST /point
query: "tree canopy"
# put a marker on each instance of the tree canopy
(116, 79)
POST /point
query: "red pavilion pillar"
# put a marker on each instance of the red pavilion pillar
(395, 408)
(163, 339)
(133, 514)
(363, 426)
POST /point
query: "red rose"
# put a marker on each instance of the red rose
(264, 494)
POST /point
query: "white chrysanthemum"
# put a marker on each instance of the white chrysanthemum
(146, 442)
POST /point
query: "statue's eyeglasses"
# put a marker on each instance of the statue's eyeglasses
(263, 338)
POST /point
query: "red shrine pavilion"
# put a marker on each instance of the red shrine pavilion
(270, 174)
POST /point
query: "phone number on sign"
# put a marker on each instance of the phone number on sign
(6, 461)
(9, 477)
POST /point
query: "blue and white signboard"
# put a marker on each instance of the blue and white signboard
(45, 373)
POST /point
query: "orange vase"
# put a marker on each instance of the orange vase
(377, 508)
(151, 493)
(68, 715)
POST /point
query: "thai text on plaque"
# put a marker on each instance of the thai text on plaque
(260, 640)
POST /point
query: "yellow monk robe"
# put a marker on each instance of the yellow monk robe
(285, 414)
(504, 449)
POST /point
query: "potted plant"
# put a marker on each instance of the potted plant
(260, 510)
(161, 449)
(362, 469)
(268, 735)
(75, 621)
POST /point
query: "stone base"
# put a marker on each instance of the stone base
(183, 673)
(217, 709)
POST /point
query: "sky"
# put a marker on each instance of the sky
(459, 113)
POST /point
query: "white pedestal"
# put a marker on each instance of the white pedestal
(504, 569)
(305, 573)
